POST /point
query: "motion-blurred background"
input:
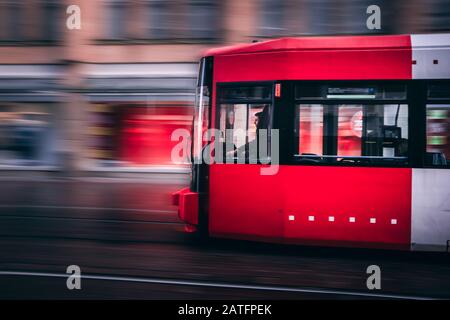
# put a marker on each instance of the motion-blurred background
(108, 96)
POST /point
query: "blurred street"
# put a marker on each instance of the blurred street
(129, 243)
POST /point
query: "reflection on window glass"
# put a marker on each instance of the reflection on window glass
(438, 135)
(350, 127)
(311, 128)
(352, 133)
(234, 117)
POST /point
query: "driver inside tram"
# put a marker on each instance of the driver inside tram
(261, 122)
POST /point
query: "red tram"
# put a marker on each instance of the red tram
(364, 142)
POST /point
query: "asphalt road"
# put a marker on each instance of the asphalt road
(127, 239)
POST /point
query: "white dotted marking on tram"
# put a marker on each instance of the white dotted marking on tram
(333, 219)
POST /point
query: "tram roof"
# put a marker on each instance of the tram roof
(316, 43)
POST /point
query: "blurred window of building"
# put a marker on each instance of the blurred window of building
(324, 16)
(202, 19)
(194, 19)
(160, 22)
(51, 20)
(12, 21)
(25, 134)
(116, 19)
(438, 15)
(272, 14)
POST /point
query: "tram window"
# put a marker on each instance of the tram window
(240, 123)
(352, 133)
(438, 135)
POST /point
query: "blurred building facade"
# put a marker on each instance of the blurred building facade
(108, 96)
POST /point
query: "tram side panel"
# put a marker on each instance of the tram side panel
(430, 209)
(360, 207)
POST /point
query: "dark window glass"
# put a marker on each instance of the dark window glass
(439, 91)
(246, 93)
(394, 92)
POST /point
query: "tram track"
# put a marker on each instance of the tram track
(222, 285)
(130, 243)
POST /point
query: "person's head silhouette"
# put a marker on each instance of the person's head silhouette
(261, 119)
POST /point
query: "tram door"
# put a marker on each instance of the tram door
(242, 200)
